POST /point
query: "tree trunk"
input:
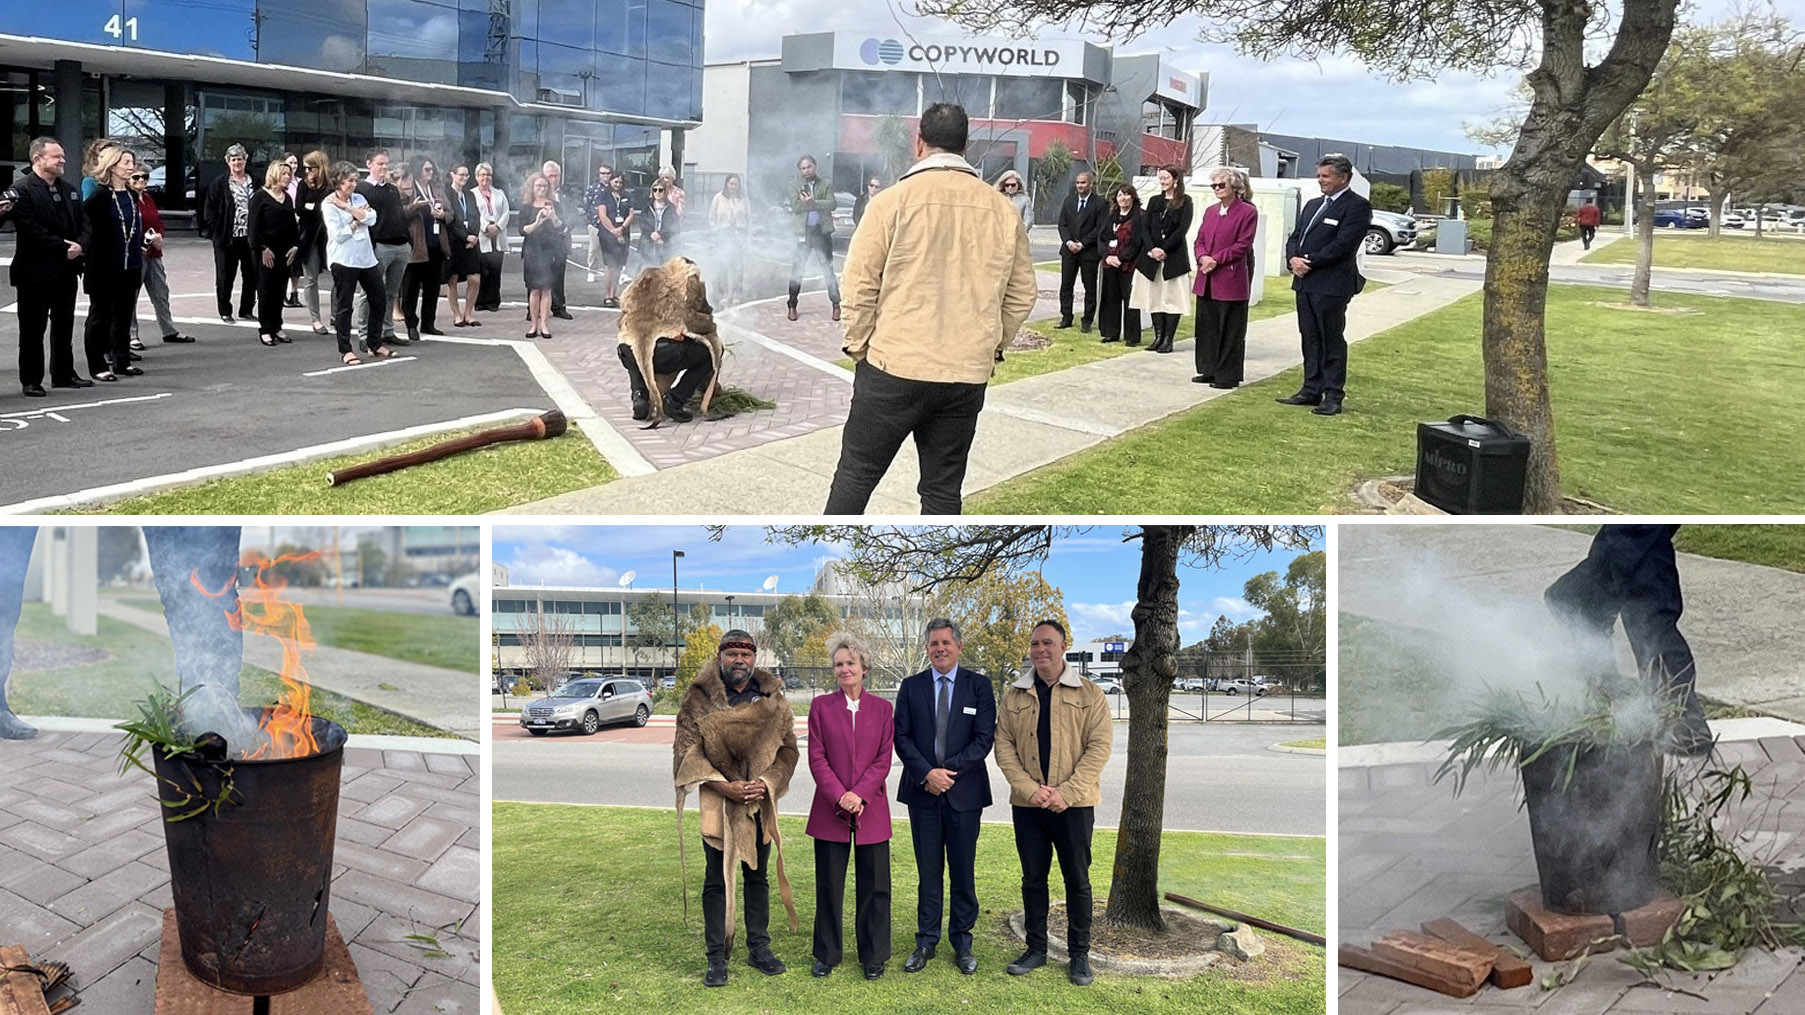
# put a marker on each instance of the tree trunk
(1645, 232)
(1572, 104)
(1148, 669)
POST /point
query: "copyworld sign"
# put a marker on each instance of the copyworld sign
(1008, 57)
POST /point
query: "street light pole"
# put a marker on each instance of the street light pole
(676, 619)
(729, 611)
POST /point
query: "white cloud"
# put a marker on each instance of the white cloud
(1092, 620)
(557, 566)
(1235, 608)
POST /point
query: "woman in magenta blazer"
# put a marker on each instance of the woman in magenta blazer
(850, 736)
(1224, 279)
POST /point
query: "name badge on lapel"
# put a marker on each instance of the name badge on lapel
(1331, 222)
(970, 710)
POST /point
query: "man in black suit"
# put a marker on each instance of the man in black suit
(53, 234)
(1321, 256)
(1079, 219)
(946, 718)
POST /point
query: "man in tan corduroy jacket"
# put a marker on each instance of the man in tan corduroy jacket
(938, 281)
(1053, 739)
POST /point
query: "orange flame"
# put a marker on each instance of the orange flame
(289, 722)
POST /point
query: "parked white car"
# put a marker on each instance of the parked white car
(463, 594)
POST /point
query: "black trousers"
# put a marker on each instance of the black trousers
(946, 844)
(488, 289)
(1071, 267)
(52, 304)
(1039, 834)
(346, 280)
(688, 358)
(562, 266)
(1322, 322)
(943, 418)
(1586, 234)
(272, 290)
(232, 259)
(420, 291)
(1115, 318)
(1221, 349)
(871, 901)
(1630, 572)
(756, 886)
(112, 298)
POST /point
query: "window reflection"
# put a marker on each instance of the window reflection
(326, 34)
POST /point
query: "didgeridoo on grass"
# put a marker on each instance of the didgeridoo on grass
(550, 424)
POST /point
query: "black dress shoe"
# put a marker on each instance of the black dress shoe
(1329, 407)
(967, 963)
(130, 371)
(1064, 322)
(1028, 963)
(227, 319)
(1080, 973)
(1084, 327)
(35, 391)
(1106, 340)
(564, 315)
(918, 960)
(716, 975)
(429, 330)
(1225, 387)
(642, 406)
(134, 357)
(675, 410)
(413, 333)
(73, 382)
(178, 339)
(1203, 379)
(765, 962)
(820, 969)
(873, 972)
(1300, 399)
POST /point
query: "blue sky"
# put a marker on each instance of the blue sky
(1096, 571)
(1336, 98)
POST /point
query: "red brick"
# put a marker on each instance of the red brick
(1555, 936)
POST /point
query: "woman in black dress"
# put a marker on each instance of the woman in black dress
(275, 236)
(546, 235)
(465, 262)
(115, 267)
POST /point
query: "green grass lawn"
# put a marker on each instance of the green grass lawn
(1678, 249)
(472, 483)
(1781, 546)
(107, 687)
(1319, 743)
(588, 917)
(1391, 688)
(429, 639)
(1655, 413)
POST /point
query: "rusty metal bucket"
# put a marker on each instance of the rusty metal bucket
(1595, 834)
(252, 879)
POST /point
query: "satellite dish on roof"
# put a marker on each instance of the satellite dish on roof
(770, 583)
(626, 580)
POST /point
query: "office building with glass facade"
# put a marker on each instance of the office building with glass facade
(852, 100)
(511, 82)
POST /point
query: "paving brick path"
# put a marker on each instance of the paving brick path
(84, 874)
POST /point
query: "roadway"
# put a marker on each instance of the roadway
(1219, 777)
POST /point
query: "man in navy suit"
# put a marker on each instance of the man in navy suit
(1321, 256)
(1080, 218)
(946, 718)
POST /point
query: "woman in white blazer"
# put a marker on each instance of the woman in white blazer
(492, 213)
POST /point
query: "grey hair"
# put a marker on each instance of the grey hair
(481, 168)
(843, 640)
(1237, 180)
(1337, 162)
(939, 624)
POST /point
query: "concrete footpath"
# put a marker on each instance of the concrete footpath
(1026, 424)
(441, 698)
(1742, 620)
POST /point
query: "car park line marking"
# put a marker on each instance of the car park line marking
(385, 361)
(24, 416)
(131, 488)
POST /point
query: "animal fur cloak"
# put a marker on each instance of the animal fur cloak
(717, 742)
(666, 300)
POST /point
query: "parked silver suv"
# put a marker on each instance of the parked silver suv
(588, 705)
(1390, 231)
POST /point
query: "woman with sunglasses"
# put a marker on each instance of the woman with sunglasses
(1224, 280)
(1012, 187)
(311, 192)
(660, 225)
(872, 187)
(851, 734)
(156, 277)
